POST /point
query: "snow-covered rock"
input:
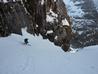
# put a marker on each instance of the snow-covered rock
(84, 22)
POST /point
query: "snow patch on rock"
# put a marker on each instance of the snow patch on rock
(50, 31)
(54, 0)
(42, 2)
(65, 22)
(51, 16)
(56, 37)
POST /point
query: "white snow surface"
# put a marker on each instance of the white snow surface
(42, 57)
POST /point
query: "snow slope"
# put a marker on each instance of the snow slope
(42, 57)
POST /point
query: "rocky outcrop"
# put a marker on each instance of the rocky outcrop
(85, 27)
(12, 18)
(46, 17)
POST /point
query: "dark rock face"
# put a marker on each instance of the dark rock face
(46, 17)
(12, 18)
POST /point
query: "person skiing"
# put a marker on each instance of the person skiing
(26, 41)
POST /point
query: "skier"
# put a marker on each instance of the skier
(26, 41)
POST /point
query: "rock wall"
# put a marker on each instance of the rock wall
(46, 17)
(85, 27)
